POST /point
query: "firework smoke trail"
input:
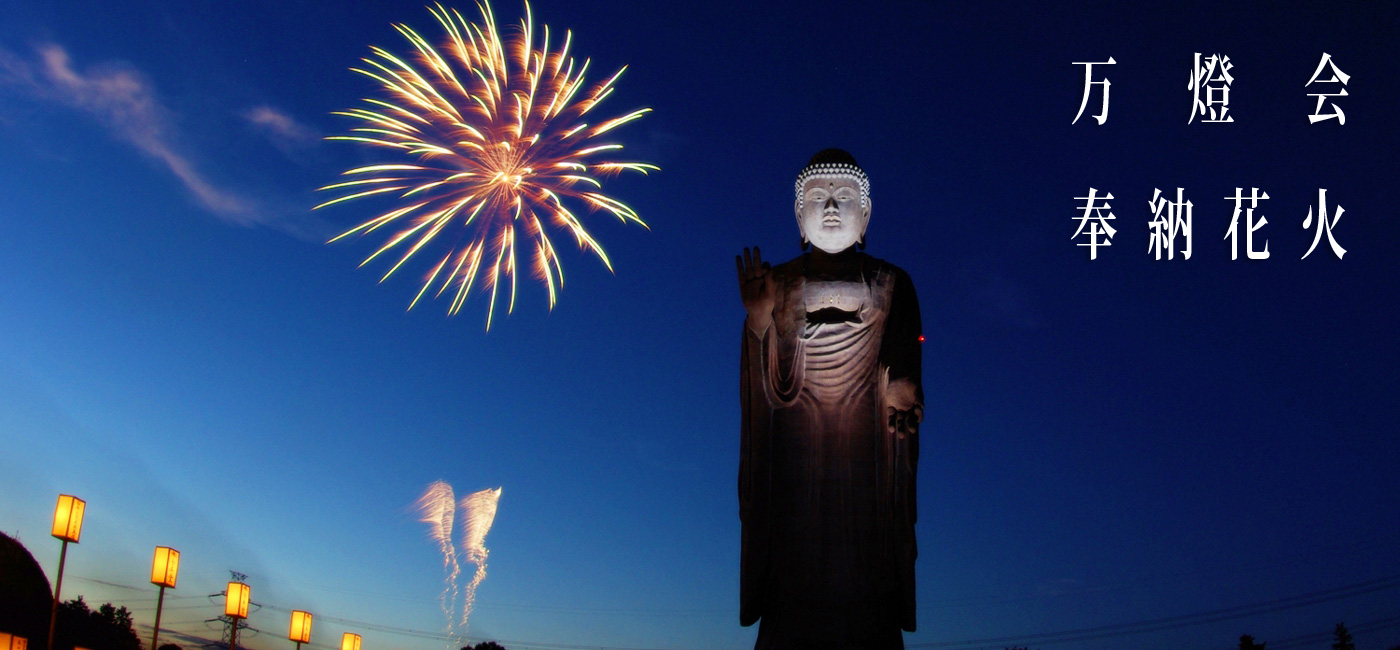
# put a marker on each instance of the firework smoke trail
(437, 508)
(492, 139)
(479, 509)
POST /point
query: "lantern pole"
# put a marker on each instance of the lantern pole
(67, 526)
(165, 568)
(236, 609)
(233, 632)
(57, 589)
(160, 602)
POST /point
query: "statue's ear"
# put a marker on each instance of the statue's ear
(797, 211)
(865, 219)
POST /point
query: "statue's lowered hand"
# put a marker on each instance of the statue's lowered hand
(902, 407)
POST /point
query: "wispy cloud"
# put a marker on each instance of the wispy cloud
(284, 131)
(123, 101)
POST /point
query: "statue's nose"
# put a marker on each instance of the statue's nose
(830, 204)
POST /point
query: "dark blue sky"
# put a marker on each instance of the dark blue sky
(1106, 442)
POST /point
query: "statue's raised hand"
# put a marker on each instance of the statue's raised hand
(756, 289)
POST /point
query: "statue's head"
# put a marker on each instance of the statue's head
(833, 201)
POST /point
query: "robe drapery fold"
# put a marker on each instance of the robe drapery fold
(826, 482)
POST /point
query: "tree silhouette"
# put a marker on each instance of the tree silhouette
(108, 628)
(1342, 639)
(25, 593)
(487, 645)
(1247, 643)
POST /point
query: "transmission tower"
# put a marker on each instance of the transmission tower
(226, 622)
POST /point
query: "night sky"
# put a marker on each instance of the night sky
(1107, 442)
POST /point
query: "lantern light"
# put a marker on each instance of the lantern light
(301, 627)
(350, 641)
(68, 518)
(235, 608)
(12, 642)
(165, 566)
(237, 604)
(67, 525)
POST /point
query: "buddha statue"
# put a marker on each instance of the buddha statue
(831, 405)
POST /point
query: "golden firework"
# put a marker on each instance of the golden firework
(497, 145)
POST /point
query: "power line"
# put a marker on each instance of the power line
(1262, 562)
(1311, 555)
(1172, 622)
(1309, 639)
(1043, 638)
(377, 627)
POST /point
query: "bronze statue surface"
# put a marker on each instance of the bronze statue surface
(831, 403)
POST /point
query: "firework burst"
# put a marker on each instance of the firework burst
(437, 508)
(494, 144)
(479, 509)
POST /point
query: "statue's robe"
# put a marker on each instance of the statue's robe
(826, 480)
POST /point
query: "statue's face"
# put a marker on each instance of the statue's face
(830, 215)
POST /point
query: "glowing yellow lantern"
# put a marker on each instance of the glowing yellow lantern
(237, 604)
(67, 525)
(11, 642)
(350, 641)
(165, 566)
(68, 518)
(301, 628)
(235, 608)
